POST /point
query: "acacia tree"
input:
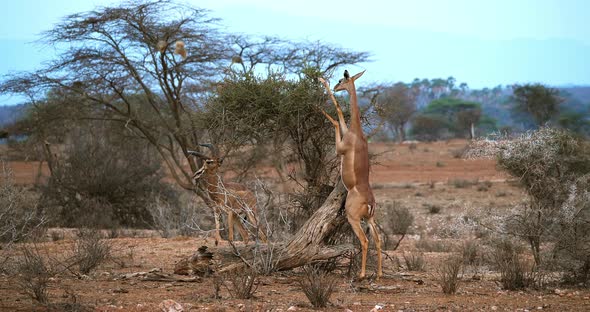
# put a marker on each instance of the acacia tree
(468, 117)
(396, 105)
(279, 117)
(120, 60)
(282, 114)
(537, 100)
(457, 115)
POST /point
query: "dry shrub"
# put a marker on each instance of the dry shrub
(90, 250)
(33, 274)
(430, 245)
(552, 165)
(448, 274)
(400, 218)
(317, 285)
(506, 257)
(71, 304)
(267, 259)
(415, 261)
(19, 216)
(461, 183)
(501, 194)
(432, 208)
(572, 233)
(470, 252)
(397, 221)
(103, 181)
(459, 152)
(186, 215)
(165, 220)
(241, 284)
(484, 186)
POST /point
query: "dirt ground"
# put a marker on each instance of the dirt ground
(418, 177)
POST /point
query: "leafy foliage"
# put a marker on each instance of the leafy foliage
(430, 127)
(537, 100)
(396, 105)
(279, 115)
(445, 118)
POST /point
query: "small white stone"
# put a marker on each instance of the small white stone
(170, 306)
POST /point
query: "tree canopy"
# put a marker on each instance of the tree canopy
(538, 101)
(457, 116)
(119, 63)
(396, 105)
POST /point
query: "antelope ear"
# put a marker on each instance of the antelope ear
(355, 77)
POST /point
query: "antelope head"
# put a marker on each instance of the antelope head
(347, 82)
(211, 163)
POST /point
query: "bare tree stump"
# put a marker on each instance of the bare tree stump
(310, 243)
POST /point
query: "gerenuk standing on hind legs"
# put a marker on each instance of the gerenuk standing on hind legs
(351, 145)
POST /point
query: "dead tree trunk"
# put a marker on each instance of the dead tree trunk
(310, 243)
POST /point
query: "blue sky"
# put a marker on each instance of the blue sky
(481, 42)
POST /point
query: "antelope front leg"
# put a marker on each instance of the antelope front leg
(252, 218)
(243, 232)
(343, 127)
(217, 226)
(337, 131)
(230, 226)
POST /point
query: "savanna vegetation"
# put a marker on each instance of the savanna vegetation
(137, 86)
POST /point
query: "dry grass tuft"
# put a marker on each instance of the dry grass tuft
(317, 286)
(448, 274)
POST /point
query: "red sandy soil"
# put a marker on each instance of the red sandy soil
(395, 163)
(103, 290)
(417, 177)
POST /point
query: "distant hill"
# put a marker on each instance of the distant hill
(576, 99)
(10, 114)
(581, 93)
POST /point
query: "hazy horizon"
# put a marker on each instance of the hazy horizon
(484, 44)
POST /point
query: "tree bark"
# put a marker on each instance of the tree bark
(310, 243)
(401, 133)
